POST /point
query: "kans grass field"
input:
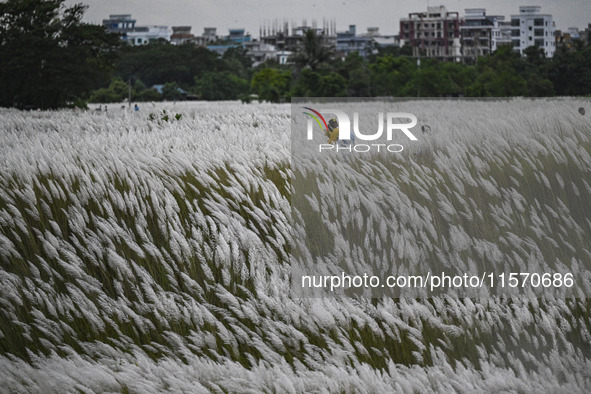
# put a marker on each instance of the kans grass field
(144, 255)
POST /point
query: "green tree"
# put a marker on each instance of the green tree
(570, 73)
(49, 56)
(271, 84)
(115, 93)
(455, 79)
(148, 95)
(220, 86)
(162, 62)
(316, 84)
(355, 70)
(237, 62)
(172, 91)
(390, 75)
(312, 52)
(499, 75)
(332, 85)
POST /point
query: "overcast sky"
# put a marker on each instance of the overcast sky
(385, 14)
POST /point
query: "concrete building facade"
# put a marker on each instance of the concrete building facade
(181, 35)
(147, 34)
(121, 24)
(432, 34)
(482, 34)
(348, 42)
(532, 28)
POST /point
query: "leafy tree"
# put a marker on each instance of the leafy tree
(332, 85)
(220, 86)
(312, 52)
(538, 86)
(535, 56)
(49, 56)
(139, 86)
(315, 84)
(162, 62)
(499, 75)
(455, 79)
(142, 93)
(271, 84)
(148, 95)
(406, 50)
(355, 70)
(570, 73)
(390, 74)
(237, 62)
(115, 93)
(171, 91)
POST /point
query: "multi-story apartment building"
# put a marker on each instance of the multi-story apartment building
(147, 34)
(181, 35)
(502, 34)
(433, 34)
(286, 39)
(568, 40)
(259, 52)
(585, 35)
(124, 25)
(120, 24)
(348, 42)
(481, 34)
(531, 28)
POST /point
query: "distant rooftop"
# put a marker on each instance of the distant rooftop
(120, 16)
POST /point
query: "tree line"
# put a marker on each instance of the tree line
(316, 71)
(52, 59)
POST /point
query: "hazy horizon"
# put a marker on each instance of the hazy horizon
(226, 14)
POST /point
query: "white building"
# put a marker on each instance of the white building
(502, 34)
(482, 34)
(145, 35)
(531, 28)
(283, 56)
(260, 52)
(181, 35)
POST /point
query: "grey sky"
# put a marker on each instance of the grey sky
(385, 14)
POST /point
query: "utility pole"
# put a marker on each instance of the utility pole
(419, 76)
(129, 93)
